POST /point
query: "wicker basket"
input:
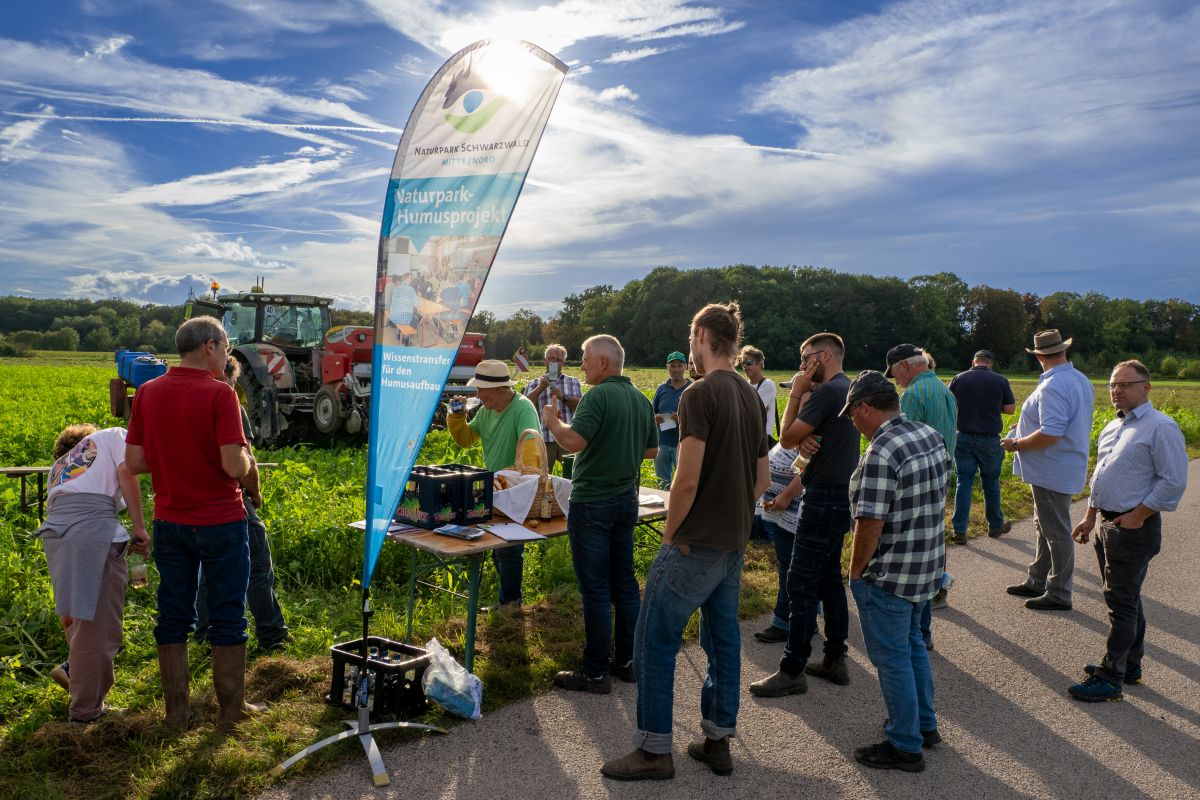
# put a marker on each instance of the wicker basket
(541, 471)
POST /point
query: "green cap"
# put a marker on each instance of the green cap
(677, 356)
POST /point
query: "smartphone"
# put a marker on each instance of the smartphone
(552, 371)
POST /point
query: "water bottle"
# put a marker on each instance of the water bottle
(137, 571)
(547, 492)
(801, 461)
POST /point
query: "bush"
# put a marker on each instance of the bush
(1190, 371)
(13, 349)
(1169, 367)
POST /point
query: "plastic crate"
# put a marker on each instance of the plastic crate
(475, 493)
(394, 672)
(432, 497)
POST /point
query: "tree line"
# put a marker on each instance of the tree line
(781, 306)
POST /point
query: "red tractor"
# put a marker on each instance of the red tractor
(298, 371)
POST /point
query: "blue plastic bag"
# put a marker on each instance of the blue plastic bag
(447, 683)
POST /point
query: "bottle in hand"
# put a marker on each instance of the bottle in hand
(137, 571)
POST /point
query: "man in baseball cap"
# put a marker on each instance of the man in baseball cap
(666, 406)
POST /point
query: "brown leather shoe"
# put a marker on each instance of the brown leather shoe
(830, 669)
(779, 685)
(640, 766)
(714, 752)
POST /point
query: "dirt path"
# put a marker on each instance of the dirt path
(1001, 675)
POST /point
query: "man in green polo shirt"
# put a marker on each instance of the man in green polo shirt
(612, 431)
(505, 414)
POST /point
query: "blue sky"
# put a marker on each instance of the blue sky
(147, 146)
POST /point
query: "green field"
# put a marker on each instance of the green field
(309, 499)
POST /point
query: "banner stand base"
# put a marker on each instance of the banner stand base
(360, 727)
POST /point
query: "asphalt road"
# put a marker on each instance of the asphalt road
(1001, 672)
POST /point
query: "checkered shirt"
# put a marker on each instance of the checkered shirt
(570, 387)
(901, 479)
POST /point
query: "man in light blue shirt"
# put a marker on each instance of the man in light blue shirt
(1050, 445)
(1141, 471)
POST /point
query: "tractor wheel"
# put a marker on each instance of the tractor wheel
(327, 411)
(250, 392)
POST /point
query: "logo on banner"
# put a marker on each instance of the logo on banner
(471, 102)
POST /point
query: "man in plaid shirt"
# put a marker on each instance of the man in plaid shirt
(555, 388)
(898, 500)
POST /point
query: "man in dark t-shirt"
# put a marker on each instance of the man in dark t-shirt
(722, 471)
(982, 395)
(815, 574)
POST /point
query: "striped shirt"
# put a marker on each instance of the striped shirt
(780, 462)
(1140, 458)
(926, 399)
(901, 479)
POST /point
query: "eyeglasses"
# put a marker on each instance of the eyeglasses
(225, 348)
(1123, 384)
(807, 356)
(747, 363)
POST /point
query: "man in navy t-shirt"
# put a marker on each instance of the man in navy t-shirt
(982, 395)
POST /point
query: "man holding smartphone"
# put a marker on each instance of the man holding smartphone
(555, 388)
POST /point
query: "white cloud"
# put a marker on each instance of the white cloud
(16, 138)
(107, 47)
(237, 251)
(623, 56)
(146, 287)
(614, 93)
(220, 187)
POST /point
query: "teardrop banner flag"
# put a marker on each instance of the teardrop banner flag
(460, 166)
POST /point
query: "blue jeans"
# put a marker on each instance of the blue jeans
(665, 463)
(269, 625)
(677, 585)
(179, 552)
(783, 539)
(510, 567)
(601, 536)
(892, 633)
(815, 575)
(983, 453)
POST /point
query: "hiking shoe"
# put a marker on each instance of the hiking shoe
(1095, 689)
(714, 752)
(779, 685)
(576, 681)
(959, 538)
(1133, 675)
(885, 756)
(1024, 590)
(771, 635)
(640, 766)
(830, 669)
(622, 671)
(996, 533)
(928, 738)
(1046, 603)
(62, 675)
(939, 599)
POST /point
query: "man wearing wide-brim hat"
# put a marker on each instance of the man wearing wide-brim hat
(505, 414)
(1050, 445)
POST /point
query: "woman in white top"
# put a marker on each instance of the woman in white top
(85, 548)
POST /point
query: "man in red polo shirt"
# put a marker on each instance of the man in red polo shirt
(186, 431)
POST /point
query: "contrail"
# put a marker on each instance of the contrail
(237, 123)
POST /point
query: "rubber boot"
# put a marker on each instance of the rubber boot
(229, 679)
(173, 669)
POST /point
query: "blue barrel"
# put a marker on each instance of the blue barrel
(117, 356)
(126, 366)
(145, 368)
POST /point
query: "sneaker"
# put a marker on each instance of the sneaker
(62, 675)
(576, 681)
(959, 538)
(1024, 590)
(1133, 675)
(996, 533)
(640, 766)
(771, 635)
(779, 685)
(939, 599)
(622, 671)
(1095, 689)
(830, 669)
(714, 752)
(885, 756)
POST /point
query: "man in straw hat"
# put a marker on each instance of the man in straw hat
(497, 425)
(1050, 452)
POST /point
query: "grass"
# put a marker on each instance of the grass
(309, 499)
